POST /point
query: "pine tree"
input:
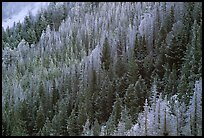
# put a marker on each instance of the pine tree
(192, 58)
(158, 115)
(180, 111)
(72, 126)
(143, 120)
(19, 129)
(114, 118)
(31, 37)
(106, 58)
(117, 110)
(195, 110)
(55, 96)
(170, 20)
(40, 120)
(165, 132)
(119, 72)
(56, 126)
(131, 101)
(47, 128)
(96, 128)
(132, 71)
(42, 95)
(104, 100)
(27, 23)
(125, 119)
(146, 115)
(86, 129)
(81, 117)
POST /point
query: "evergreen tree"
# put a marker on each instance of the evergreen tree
(81, 118)
(104, 101)
(125, 117)
(19, 129)
(86, 129)
(195, 110)
(191, 64)
(114, 118)
(75, 62)
(96, 128)
(47, 128)
(132, 71)
(56, 126)
(170, 20)
(40, 120)
(72, 126)
(106, 59)
(55, 96)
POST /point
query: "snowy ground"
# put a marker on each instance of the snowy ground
(20, 15)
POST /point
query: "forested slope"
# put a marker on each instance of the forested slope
(131, 68)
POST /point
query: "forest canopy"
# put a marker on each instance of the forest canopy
(104, 68)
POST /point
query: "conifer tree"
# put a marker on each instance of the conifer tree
(40, 120)
(106, 59)
(72, 127)
(47, 128)
(96, 128)
(195, 110)
(86, 129)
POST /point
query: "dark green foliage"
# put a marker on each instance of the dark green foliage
(170, 20)
(40, 120)
(134, 96)
(55, 94)
(192, 61)
(170, 81)
(132, 71)
(72, 126)
(106, 59)
(114, 118)
(120, 67)
(81, 118)
(19, 129)
(117, 108)
(47, 128)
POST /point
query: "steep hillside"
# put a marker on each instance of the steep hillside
(106, 69)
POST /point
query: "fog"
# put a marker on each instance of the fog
(16, 11)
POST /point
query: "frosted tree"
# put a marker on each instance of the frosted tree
(23, 48)
(153, 101)
(7, 55)
(100, 58)
(124, 124)
(146, 114)
(103, 131)
(195, 110)
(142, 122)
(177, 109)
(166, 121)
(86, 129)
(157, 114)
